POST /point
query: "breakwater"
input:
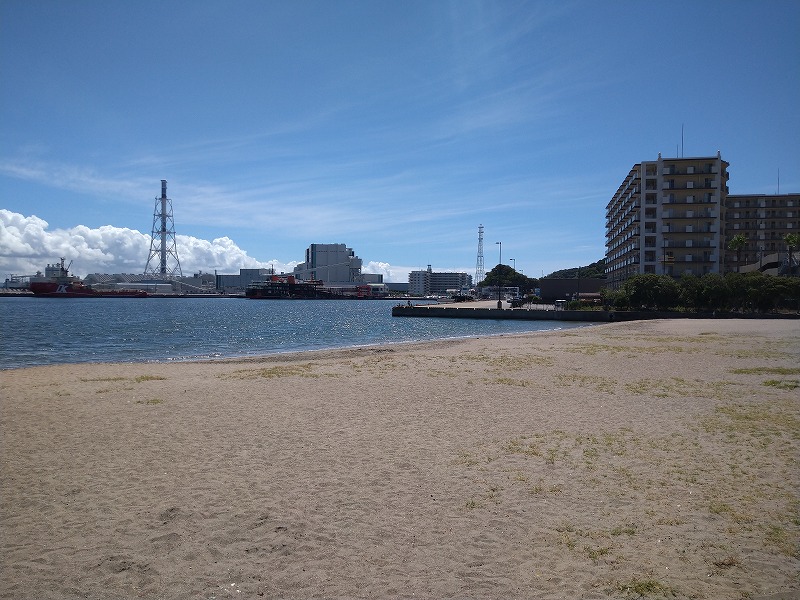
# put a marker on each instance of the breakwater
(521, 314)
(586, 316)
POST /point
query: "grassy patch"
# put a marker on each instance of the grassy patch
(596, 553)
(509, 361)
(724, 509)
(783, 384)
(779, 538)
(103, 379)
(676, 387)
(629, 529)
(452, 373)
(467, 459)
(594, 382)
(142, 378)
(509, 381)
(273, 372)
(515, 446)
(643, 588)
(767, 371)
(759, 420)
(592, 349)
(152, 401)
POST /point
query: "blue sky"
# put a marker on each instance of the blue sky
(396, 128)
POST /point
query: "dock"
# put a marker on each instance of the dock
(489, 310)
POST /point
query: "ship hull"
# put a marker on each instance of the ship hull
(48, 289)
(284, 291)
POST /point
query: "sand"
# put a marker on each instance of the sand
(646, 459)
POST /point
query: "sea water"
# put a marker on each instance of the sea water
(42, 331)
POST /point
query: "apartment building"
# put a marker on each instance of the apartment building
(667, 217)
(763, 220)
(427, 283)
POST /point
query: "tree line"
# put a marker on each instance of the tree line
(737, 292)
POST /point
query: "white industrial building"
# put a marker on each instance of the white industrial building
(335, 265)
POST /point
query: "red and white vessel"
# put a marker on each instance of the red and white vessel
(58, 283)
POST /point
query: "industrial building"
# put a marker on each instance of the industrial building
(428, 283)
(237, 284)
(335, 265)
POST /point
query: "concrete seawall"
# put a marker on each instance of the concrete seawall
(465, 312)
(588, 316)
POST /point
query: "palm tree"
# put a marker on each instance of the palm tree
(737, 243)
(792, 241)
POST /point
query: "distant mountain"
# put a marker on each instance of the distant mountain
(596, 270)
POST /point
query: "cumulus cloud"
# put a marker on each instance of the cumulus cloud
(390, 273)
(27, 243)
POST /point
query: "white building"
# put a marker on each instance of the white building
(667, 218)
(427, 283)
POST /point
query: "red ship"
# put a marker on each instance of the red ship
(58, 283)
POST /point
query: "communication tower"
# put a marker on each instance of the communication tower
(162, 240)
(479, 273)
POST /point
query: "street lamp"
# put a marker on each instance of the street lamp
(499, 281)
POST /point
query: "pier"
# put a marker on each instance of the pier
(489, 310)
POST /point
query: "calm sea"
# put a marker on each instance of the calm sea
(41, 331)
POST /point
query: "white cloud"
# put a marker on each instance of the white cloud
(391, 274)
(27, 244)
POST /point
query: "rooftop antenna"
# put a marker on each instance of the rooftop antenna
(479, 270)
(162, 239)
(681, 140)
(779, 180)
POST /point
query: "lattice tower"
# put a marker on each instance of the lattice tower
(163, 250)
(479, 272)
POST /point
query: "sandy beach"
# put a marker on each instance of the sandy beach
(645, 459)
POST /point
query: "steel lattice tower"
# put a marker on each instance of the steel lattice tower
(162, 240)
(479, 272)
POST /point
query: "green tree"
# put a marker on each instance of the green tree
(690, 291)
(761, 292)
(715, 292)
(738, 284)
(736, 244)
(792, 241)
(652, 291)
(617, 299)
(507, 277)
(596, 270)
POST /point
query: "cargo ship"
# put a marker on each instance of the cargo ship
(58, 283)
(287, 287)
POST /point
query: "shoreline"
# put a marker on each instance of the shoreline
(257, 356)
(590, 462)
